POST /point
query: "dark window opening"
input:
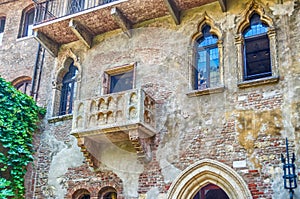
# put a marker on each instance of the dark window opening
(211, 191)
(28, 23)
(2, 25)
(257, 58)
(24, 87)
(110, 195)
(85, 196)
(207, 60)
(68, 91)
(121, 82)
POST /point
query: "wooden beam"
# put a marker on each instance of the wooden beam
(223, 5)
(122, 21)
(174, 11)
(81, 32)
(50, 45)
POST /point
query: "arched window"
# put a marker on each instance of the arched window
(85, 196)
(23, 84)
(207, 60)
(257, 59)
(27, 22)
(69, 84)
(107, 193)
(255, 41)
(211, 191)
(2, 25)
(81, 194)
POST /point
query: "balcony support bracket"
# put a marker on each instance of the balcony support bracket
(82, 33)
(122, 21)
(223, 5)
(141, 145)
(174, 11)
(47, 43)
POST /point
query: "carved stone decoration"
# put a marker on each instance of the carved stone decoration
(244, 22)
(115, 118)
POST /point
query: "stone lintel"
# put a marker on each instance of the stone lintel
(47, 43)
(122, 21)
(223, 5)
(82, 33)
(174, 11)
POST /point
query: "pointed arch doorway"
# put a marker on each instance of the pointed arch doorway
(211, 178)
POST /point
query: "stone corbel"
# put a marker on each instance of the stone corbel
(87, 155)
(142, 147)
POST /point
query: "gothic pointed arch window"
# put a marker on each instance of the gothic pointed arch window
(207, 73)
(256, 48)
(69, 84)
(257, 59)
(206, 59)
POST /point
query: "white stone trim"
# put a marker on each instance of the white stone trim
(204, 172)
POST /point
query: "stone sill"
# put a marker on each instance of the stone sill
(60, 118)
(207, 91)
(25, 38)
(258, 82)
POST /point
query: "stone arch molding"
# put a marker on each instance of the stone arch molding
(204, 172)
(62, 67)
(205, 19)
(253, 7)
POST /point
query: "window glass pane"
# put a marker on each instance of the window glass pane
(24, 87)
(28, 23)
(256, 27)
(202, 72)
(207, 60)
(2, 24)
(214, 67)
(256, 50)
(121, 82)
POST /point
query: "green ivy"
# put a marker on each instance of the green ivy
(19, 117)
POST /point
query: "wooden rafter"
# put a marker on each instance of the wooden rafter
(174, 11)
(122, 21)
(223, 5)
(47, 43)
(81, 32)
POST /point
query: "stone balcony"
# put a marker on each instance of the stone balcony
(125, 119)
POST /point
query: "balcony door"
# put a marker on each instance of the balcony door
(75, 6)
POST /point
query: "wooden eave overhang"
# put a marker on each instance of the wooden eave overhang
(123, 14)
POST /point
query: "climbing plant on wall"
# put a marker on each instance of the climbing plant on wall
(19, 117)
